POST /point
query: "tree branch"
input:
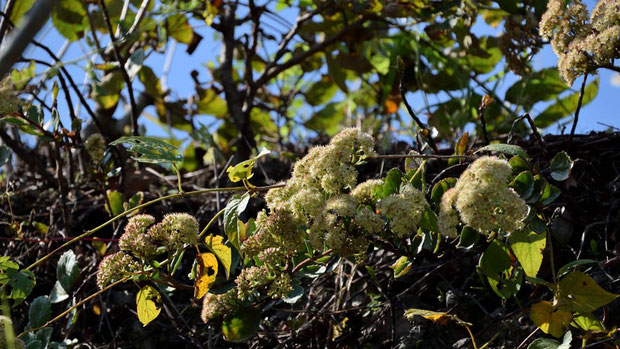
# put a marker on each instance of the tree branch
(20, 37)
(121, 62)
(579, 103)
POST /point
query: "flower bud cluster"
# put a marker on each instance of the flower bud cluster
(114, 267)
(216, 305)
(581, 43)
(403, 210)
(483, 200)
(142, 239)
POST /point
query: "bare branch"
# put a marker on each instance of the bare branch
(20, 37)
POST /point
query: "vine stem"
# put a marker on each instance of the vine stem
(126, 212)
(418, 156)
(308, 260)
(213, 220)
(75, 306)
(473, 341)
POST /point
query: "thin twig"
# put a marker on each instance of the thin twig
(579, 103)
(121, 62)
(425, 131)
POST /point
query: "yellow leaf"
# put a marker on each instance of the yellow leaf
(243, 170)
(96, 309)
(435, 316)
(100, 246)
(221, 251)
(338, 328)
(207, 271)
(147, 299)
(550, 320)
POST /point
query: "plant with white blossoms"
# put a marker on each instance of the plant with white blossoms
(483, 200)
(582, 44)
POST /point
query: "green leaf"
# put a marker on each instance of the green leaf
(107, 91)
(468, 238)
(58, 293)
(21, 78)
(35, 114)
(391, 185)
(528, 246)
(241, 325)
(321, 91)
(381, 63)
(497, 265)
(582, 293)
(566, 106)
(116, 201)
(523, 184)
(211, 103)
(243, 170)
(539, 185)
(568, 266)
(70, 18)
(295, 295)
(542, 85)
(504, 148)
(560, 166)
(19, 9)
(236, 205)
(328, 119)
(21, 284)
(67, 270)
(440, 188)
(401, 267)
(5, 154)
(428, 221)
(150, 150)
(549, 194)
(588, 322)
(178, 27)
(147, 299)
(39, 311)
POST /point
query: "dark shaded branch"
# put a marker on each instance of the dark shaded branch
(20, 37)
(234, 99)
(121, 62)
(8, 9)
(28, 157)
(579, 103)
(274, 71)
(425, 131)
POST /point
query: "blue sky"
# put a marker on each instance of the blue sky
(601, 110)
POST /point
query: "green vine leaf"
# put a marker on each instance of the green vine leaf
(150, 150)
(528, 246)
(560, 166)
(504, 148)
(241, 325)
(582, 293)
(243, 170)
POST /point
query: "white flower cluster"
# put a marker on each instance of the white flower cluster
(483, 200)
(581, 43)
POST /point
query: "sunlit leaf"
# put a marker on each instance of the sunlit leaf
(178, 27)
(206, 274)
(528, 246)
(588, 322)
(147, 302)
(504, 148)
(150, 150)
(438, 317)
(70, 18)
(67, 270)
(582, 293)
(550, 320)
(115, 201)
(221, 251)
(401, 267)
(243, 170)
